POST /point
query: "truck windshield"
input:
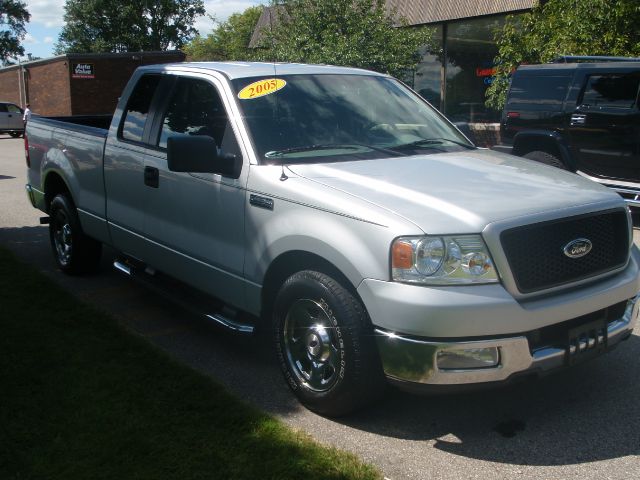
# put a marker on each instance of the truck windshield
(330, 118)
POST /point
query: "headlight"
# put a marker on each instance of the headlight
(447, 260)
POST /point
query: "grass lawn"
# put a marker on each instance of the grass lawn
(81, 398)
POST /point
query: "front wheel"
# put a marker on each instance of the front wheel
(74, 252)
(325, 345)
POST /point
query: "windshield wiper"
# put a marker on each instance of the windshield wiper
(328, 146)
(429, 142)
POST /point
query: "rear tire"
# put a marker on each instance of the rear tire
(74, 252)
(546, 158)
(325, 345)
(15, 134)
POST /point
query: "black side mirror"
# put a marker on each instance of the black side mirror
(199, 154)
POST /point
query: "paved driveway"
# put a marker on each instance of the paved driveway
(582, 424)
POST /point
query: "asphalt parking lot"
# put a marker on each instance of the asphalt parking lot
(582, 424)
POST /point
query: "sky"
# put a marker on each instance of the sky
(47, 21)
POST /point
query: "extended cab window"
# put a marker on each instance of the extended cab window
(3, 108)
(137, 110)
(195, 108)
(612, 90)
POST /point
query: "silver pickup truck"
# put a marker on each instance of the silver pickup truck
(338, 211)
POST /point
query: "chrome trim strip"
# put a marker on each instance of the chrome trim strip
(611, 182)
(97, 217)
(414, 360)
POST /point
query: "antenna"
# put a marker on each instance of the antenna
(284, 176)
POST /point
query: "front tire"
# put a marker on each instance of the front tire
(74, 252)
(325, 345)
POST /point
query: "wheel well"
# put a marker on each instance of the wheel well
(289, 263)
(54, 185)
(532, 144)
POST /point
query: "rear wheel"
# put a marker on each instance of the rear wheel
(15, 134)
(546, 158)
(74, 252)
(325, 345)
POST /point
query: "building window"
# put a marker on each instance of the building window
(471, 49)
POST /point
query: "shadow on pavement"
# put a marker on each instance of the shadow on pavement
(585, 414)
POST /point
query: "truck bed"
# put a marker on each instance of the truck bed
(90, 124)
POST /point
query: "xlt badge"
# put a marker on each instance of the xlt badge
(577, 248)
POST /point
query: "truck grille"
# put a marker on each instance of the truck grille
(536, 252)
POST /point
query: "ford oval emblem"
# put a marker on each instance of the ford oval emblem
(577, 248)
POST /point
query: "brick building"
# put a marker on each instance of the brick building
(75, 83)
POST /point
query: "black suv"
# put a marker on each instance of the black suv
(580, 114)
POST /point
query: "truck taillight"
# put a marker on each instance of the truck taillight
(26, 150)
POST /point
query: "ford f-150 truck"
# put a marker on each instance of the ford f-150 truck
(337, 210)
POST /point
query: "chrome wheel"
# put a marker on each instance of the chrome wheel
(311, 343)
(62, 238)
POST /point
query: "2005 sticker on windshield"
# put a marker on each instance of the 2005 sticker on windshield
(261, 88)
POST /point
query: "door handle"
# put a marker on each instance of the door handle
(151, 177)
(578, 119)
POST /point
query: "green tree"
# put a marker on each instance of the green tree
(13, 16)
(229, 40)
(564, 27)
(356, 33)
(127, 26)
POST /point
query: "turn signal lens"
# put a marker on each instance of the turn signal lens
(402, 255)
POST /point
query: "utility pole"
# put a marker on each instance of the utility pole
(20, 83)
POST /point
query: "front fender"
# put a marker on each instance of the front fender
(357, 248)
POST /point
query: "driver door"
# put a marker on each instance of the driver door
(194, 222)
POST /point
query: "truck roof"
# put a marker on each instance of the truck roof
(235, 70)
(630, 65)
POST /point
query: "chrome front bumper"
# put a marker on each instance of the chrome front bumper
(406, 359)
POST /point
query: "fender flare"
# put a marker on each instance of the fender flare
(541, 137)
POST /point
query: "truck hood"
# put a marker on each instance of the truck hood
(460, 192)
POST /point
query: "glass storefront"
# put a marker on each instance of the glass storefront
(470, 50)
(427, 78)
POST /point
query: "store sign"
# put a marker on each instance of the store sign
(485, 72)
(82, 70)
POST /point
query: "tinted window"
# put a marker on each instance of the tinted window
(538, 89)
(13, 109)
(137, 109)
(3, 107)
(195, 108)
(612, 90)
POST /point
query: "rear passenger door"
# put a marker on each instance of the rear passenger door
(194, 222)
(605, 127)
(125, 151)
